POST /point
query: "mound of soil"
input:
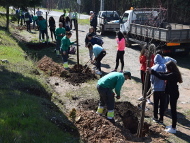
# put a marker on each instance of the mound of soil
(76, 75)
(51, 68)
(95, 128)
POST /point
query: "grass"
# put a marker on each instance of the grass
(26, 111)
(83, 21)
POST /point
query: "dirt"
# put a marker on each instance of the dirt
(76, 75)
(39, 46)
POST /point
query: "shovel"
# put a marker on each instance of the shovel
(85, 66)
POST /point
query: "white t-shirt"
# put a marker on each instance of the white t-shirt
(39, 13)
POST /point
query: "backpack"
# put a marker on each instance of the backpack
(72, 50)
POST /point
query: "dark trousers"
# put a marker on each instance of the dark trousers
(159, 97)
(143, 74)
(28, 25)
(106, 97)
(52, 31)
(73, 21)
(64, 57)
(98, 60)
(173, 105)
(120, 56)
(44, 32)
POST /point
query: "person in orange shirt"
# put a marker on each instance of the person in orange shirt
(143, 62)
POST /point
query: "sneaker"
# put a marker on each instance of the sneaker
(167, 127)
(149, 101)
(170, 130)
(121, 71)
(114, 70)
(140, 99)
(155, 120)
(160, 122)
(99, 72)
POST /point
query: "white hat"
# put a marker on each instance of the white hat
(91, 12)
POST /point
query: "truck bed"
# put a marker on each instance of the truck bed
(176, 35)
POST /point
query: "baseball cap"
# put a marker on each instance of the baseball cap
(127, 73)
(91, 12)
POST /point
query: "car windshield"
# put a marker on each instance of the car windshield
(111, 15)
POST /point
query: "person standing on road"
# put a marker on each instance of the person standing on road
(39, 13)
(52, 27)
(60, 33)
(65, 43)
(99, 53)
(28, 20)
(42, 24)
(105, 86)
(67, 24)
(93, 22)
(74, 19)
(158, 87)
(62, 19)
(172, 76)
(120, 51)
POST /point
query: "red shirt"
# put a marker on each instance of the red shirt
(142, 60)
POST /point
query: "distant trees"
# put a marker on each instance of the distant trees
(17, 3)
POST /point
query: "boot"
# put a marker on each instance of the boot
(110, 114)
(100, 110)
(65, 65)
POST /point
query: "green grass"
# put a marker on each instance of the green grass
(2, 9)
(26, 111)
(83, 21)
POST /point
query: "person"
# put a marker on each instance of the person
(172, 76)
(93, 41)
(18, 15)
(70, 17)
(105, 86)
(74, 19)
(60, 33)
(143, 62)
(52, 27)
(39, 13)
(91, 15)
(93, 22)
(42, 24)
(120, 51)
(67, 24)
(158, 87)
(99, 53)
(91, 31)
(62, 19)
(65, 43)
(28, 20)
(64, 12)
(34, 19)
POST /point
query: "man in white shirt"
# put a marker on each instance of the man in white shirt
(39, 13)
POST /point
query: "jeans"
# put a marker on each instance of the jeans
(44, 32)
(106, 97)
(64, 57)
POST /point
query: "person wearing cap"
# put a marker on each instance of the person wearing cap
(91, 15)
(105, 86)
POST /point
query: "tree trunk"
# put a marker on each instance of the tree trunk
(7, 16)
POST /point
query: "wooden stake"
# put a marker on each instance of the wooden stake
(77, 39)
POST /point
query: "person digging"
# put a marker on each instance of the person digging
(65, 43)
(105, 86)
(99, 53)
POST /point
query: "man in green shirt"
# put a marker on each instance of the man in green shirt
(60, 33)
(42, 24)
(65, 43)
(105, 86)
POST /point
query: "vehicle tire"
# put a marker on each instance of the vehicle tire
(102, 32)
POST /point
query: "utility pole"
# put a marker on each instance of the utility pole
(101, 5)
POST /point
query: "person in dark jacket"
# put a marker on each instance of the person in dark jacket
(52, 27)
(62, 19)
(93, 22)
(28, 20)
(91, 31)
(172, 77)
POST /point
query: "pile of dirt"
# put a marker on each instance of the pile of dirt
(75, 75)
(51, 68)
(94, 128)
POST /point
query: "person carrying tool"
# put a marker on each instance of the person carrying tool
(99, 53)
(65, 43)
(105, 86)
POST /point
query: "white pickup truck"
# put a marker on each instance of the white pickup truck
(108, 21)
(147, 26)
